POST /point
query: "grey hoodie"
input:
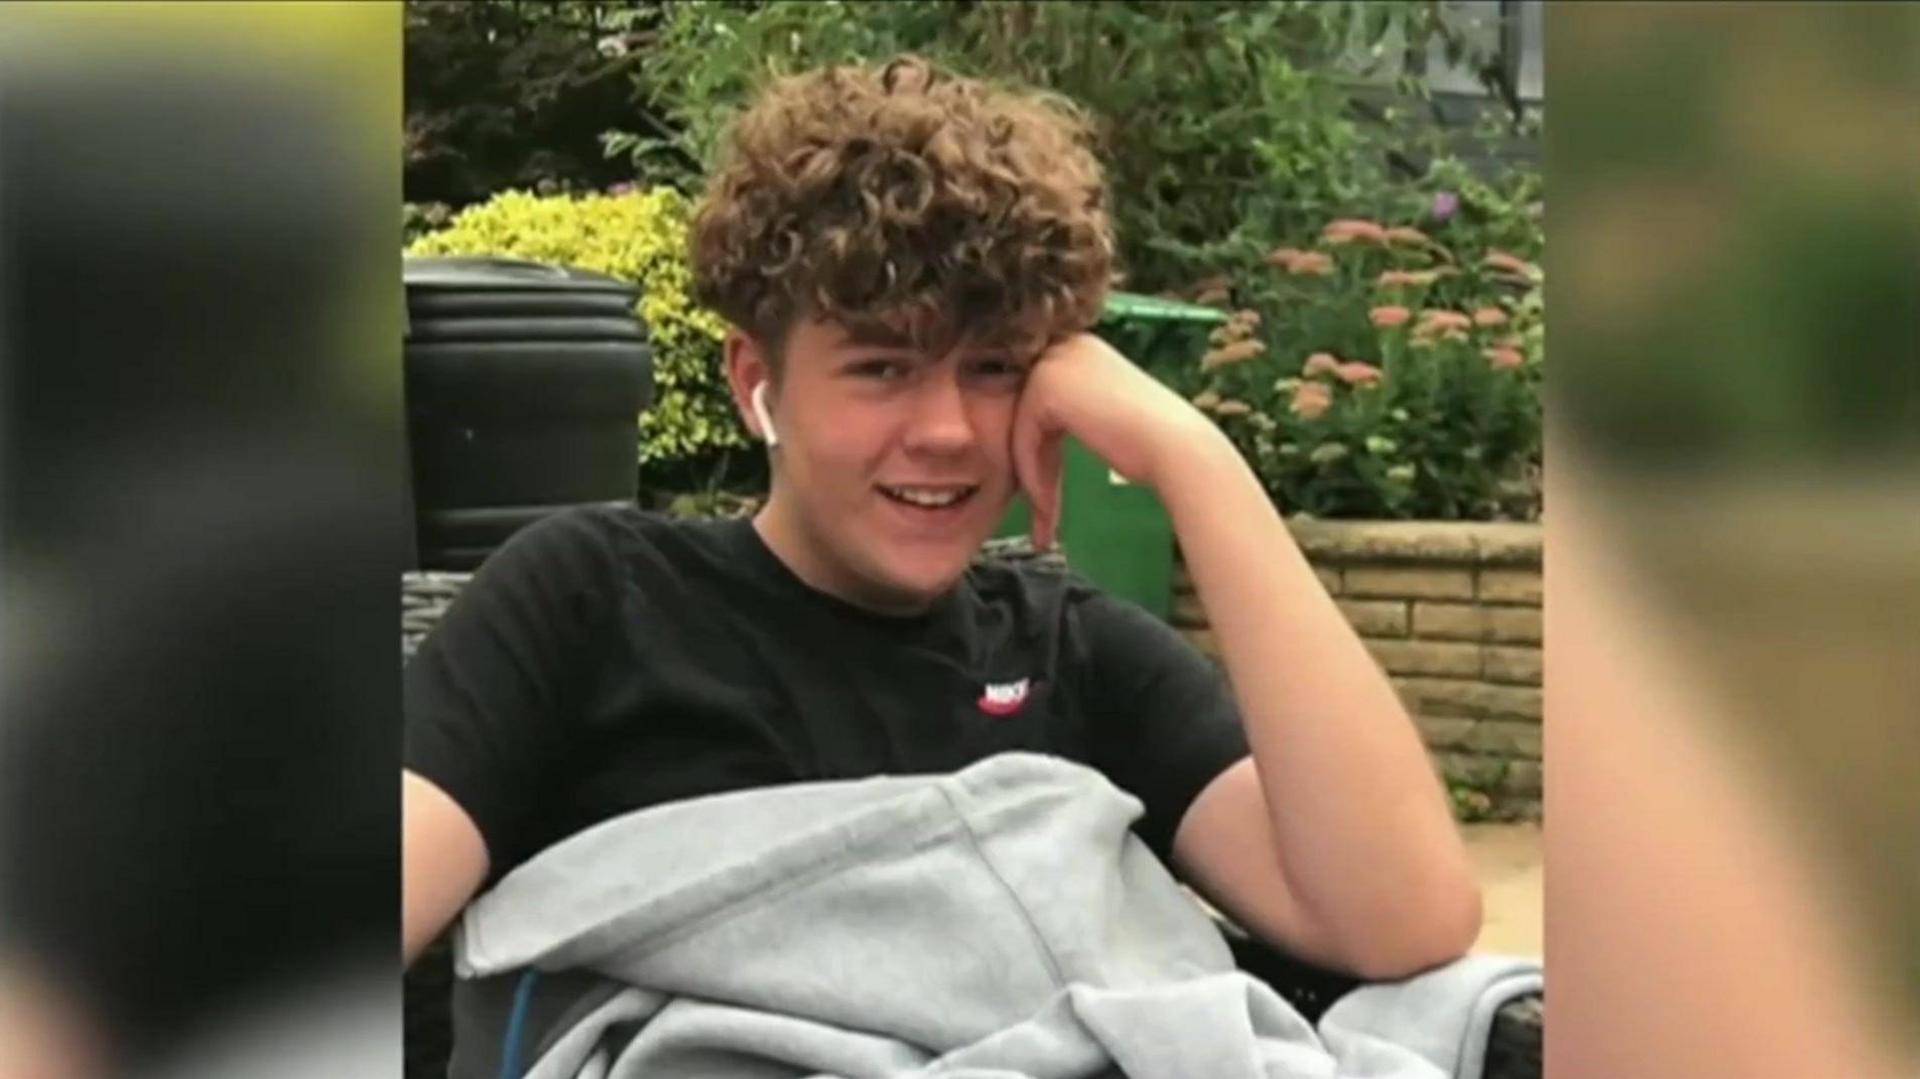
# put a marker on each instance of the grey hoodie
(1001, 922)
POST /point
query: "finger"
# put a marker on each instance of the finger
(1047, 505)
(1036, 467)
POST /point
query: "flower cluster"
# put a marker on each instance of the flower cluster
(1379, 373)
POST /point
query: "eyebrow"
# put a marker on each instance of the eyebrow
(882, 337)
(874, 337)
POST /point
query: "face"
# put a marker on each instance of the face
(893, 466)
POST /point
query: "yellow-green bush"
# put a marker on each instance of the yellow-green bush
(639, 237)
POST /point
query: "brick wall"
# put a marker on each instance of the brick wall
(1452, 611)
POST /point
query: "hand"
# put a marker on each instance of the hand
(1084, 388)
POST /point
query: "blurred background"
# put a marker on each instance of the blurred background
(1735, 413)
(200, 473)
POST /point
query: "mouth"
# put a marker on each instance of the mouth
(931, 500)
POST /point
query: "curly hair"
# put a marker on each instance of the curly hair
(905, 199)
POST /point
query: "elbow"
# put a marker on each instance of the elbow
(1454, 929)
(1440, 930)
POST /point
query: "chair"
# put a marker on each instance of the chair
(1513, 1050)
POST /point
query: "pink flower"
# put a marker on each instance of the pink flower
(1321, 363)
(1386, 317)
(1501, 260)
(1238, 352)
(1348, 230)
(1311, 263)
(1396, 278)
(1406, 235)
(1311, 400)
(1359, 374)
(1504, 359)
(1433, 321)
(1489, 316)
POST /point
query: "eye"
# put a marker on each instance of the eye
(998, 369)
(877, 369)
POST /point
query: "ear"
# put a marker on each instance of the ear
(747, 367)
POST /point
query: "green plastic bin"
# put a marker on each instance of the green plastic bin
(1114, 533)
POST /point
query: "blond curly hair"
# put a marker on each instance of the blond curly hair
(904, 199)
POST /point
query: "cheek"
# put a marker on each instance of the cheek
(849, 442)
(993, 428)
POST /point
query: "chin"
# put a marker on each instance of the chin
(912, 567)
(919, 578)
(924, 579)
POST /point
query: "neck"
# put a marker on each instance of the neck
(800, 551)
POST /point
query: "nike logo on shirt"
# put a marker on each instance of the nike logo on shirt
(1004, 699)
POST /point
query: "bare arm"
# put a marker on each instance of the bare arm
(1365, 868)
(1335, 840)
(442, 862)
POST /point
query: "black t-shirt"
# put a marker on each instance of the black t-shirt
(606, 660)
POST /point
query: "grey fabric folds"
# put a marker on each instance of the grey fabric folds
(1001, 922)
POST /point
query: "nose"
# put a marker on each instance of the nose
(939, 423)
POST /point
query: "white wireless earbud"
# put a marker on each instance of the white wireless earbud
(760, 413)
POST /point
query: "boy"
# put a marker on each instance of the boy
(910, 262)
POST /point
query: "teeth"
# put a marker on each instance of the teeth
(929, 497)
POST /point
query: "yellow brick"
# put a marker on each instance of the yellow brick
(1472, 770)
(1438, 697)
(1427, 657)
(1410, 582)
(1387, 541)
(1513, 625)
(1445, 732)
(1509, 543)
(1506, 738)
(1516, 666)
(1462, 697)
(1376, 617)
(1450, 621)
(1508, 585)
(1523, 778)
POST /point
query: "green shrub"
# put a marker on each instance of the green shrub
(417, 219)
(1382, 375)
(638, 237)
(1470, 804)
(1217, 119)
(1229, 128)
(510, 93)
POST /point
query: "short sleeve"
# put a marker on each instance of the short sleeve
(1164, 720)
(492, 693)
